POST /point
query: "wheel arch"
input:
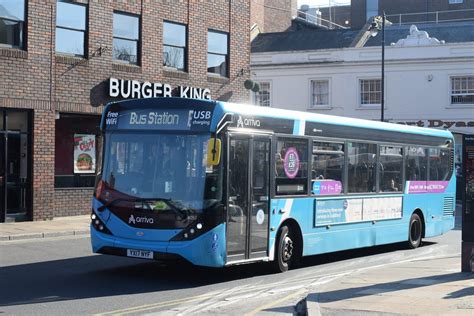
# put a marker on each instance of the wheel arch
(294, 226)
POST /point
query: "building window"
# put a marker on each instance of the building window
(262, 97)
(174, 45)
(126, 38)
(12, 23)
(455, 1)
(70, 28)
(217, 53)
(372, 8)
(319, 93)
(76, 150)
(462, 90)
(370, 92)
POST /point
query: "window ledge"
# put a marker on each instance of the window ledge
(73, 188)
(460, 106)
(319, 107)
(369, 107)
(71, 60)
(126, 67)
(13, 52)
(175, 73)
(217, 79)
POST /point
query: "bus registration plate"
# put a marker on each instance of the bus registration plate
(140, 254)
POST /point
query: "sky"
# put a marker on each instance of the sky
(325, 3)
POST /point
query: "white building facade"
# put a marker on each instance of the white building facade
(431, 86)
(427, 83)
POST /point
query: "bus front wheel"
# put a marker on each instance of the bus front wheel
(414, 231)
(286, 251)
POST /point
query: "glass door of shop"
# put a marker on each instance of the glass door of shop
(15, 199)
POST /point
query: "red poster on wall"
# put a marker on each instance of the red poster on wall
(84, 153)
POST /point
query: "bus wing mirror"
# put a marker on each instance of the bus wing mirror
(214, 152)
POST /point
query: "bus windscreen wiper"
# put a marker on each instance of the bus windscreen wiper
(186, 211)
(182, 211)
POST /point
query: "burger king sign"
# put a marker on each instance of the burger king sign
(84, 153)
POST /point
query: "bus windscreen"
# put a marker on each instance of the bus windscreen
(167, 171)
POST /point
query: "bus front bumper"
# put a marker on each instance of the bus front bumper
(206, 250)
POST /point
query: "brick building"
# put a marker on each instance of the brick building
(57, 59)
(272, 15)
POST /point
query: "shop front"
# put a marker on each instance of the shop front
(75, 165)
(15, 165)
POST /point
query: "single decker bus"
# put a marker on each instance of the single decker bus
(219, 183)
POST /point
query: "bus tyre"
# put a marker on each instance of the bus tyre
(286, 251)
(414, 231)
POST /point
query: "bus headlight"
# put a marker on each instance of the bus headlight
(98, 224)
(194, 230)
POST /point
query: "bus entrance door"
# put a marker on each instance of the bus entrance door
(248, 198)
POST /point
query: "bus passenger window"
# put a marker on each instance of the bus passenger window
(362, 167)
(327, 168)
(390, 167)
(441, 164)
(291, 167)
(416, 164)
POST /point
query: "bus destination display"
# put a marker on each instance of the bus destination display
(146, 119)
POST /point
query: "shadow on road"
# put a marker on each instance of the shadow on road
(102, 276)
(357, 253)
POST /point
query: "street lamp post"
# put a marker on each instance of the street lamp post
(379, 23)
(382, 101)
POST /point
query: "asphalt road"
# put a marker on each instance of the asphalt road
(60, 276)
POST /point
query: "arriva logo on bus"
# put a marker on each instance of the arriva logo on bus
(133, 89)
(144, 219)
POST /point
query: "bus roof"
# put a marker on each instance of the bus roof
(221, 108)
(246, 109)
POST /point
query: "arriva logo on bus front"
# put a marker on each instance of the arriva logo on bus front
(144, 219)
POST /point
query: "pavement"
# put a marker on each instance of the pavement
(430, 286)
(426, 286)
(60, 226)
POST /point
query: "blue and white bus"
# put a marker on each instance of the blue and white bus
(219, 184)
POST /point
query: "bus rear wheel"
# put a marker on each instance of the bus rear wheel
(414, 231)
(286, 251)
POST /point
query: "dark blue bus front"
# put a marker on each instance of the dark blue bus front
(157, 196)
